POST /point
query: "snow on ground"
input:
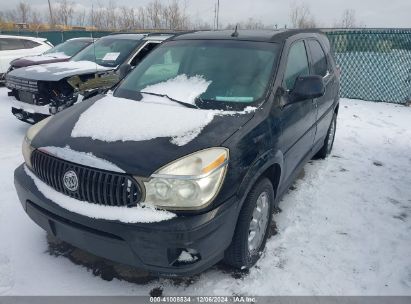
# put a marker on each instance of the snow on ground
(344, 229)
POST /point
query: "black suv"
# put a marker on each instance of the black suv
(183, 163)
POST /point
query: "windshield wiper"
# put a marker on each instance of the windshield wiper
(186, 104)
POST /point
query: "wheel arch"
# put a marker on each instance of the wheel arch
(268, 165)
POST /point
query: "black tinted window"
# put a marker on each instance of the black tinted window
(7, 44)
(297, 64)
(319, 60)
(30, 44)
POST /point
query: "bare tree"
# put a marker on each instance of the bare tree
(301, 16)
(127, 21)
(154, 13)
(80, 17)
(174, 16)
(348, 20)
(110, 16)
(23, 12)
(64, 12)
(141, 18)
(36, 17)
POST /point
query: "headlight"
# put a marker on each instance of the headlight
(190, 182)
(27, 149)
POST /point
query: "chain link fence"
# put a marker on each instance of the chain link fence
(375, 63)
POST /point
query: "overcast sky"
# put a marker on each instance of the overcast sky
(372, 13)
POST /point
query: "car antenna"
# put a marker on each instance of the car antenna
(235, 34)
(94, 46)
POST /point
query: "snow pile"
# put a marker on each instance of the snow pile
(67, 67)
(112, 119)
(187, 257)
(181, 88)
(82, 158)
(138, 214)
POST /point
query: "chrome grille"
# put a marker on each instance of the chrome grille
(21, 84)
(94, 185)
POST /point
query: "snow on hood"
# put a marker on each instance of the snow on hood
(67, 68)
(45, 57)
(181, 87)
(111, 119)
(140, 214)
(82, 158)
(118, 119)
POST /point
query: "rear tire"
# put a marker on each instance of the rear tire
(329, 139)
(252, 227)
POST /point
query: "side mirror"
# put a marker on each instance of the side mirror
(307, 87)
(124, 70)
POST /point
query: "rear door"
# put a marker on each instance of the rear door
(321, 66)
(297, 119)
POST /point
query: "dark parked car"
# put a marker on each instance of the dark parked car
(60, 53)
(46, 89)
(182, 165)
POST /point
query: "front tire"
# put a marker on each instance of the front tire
(252, 227)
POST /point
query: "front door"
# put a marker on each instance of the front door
(321, 67)
(297, 119)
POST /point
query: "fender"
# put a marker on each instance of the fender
(257, 168)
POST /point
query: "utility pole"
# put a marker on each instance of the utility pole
(51, 13)
(218, 11)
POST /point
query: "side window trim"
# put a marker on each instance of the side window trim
(307, 53)
(135, 54)
(325, 56)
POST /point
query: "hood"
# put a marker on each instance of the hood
(58, 71)
(138, 137)
(40, 59)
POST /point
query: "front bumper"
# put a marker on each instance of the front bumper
(153, 247)
(31, 108)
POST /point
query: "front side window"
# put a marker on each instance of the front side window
(217, 74)
(108, 52)
(319, 60)
(68, 48)
(297, 64)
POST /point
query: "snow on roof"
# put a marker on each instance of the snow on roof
(67, 67)
(140, 214)
(112, 118)
(82, 158)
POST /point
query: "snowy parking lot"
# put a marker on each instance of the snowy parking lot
(344, 226)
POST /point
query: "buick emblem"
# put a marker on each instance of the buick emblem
(70, 180)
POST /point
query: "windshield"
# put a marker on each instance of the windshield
(212, 74)
(68, 48)
(108, 52)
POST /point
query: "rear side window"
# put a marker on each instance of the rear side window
(297, 64)
(30, 44)
(8, 44)
(319, 60)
